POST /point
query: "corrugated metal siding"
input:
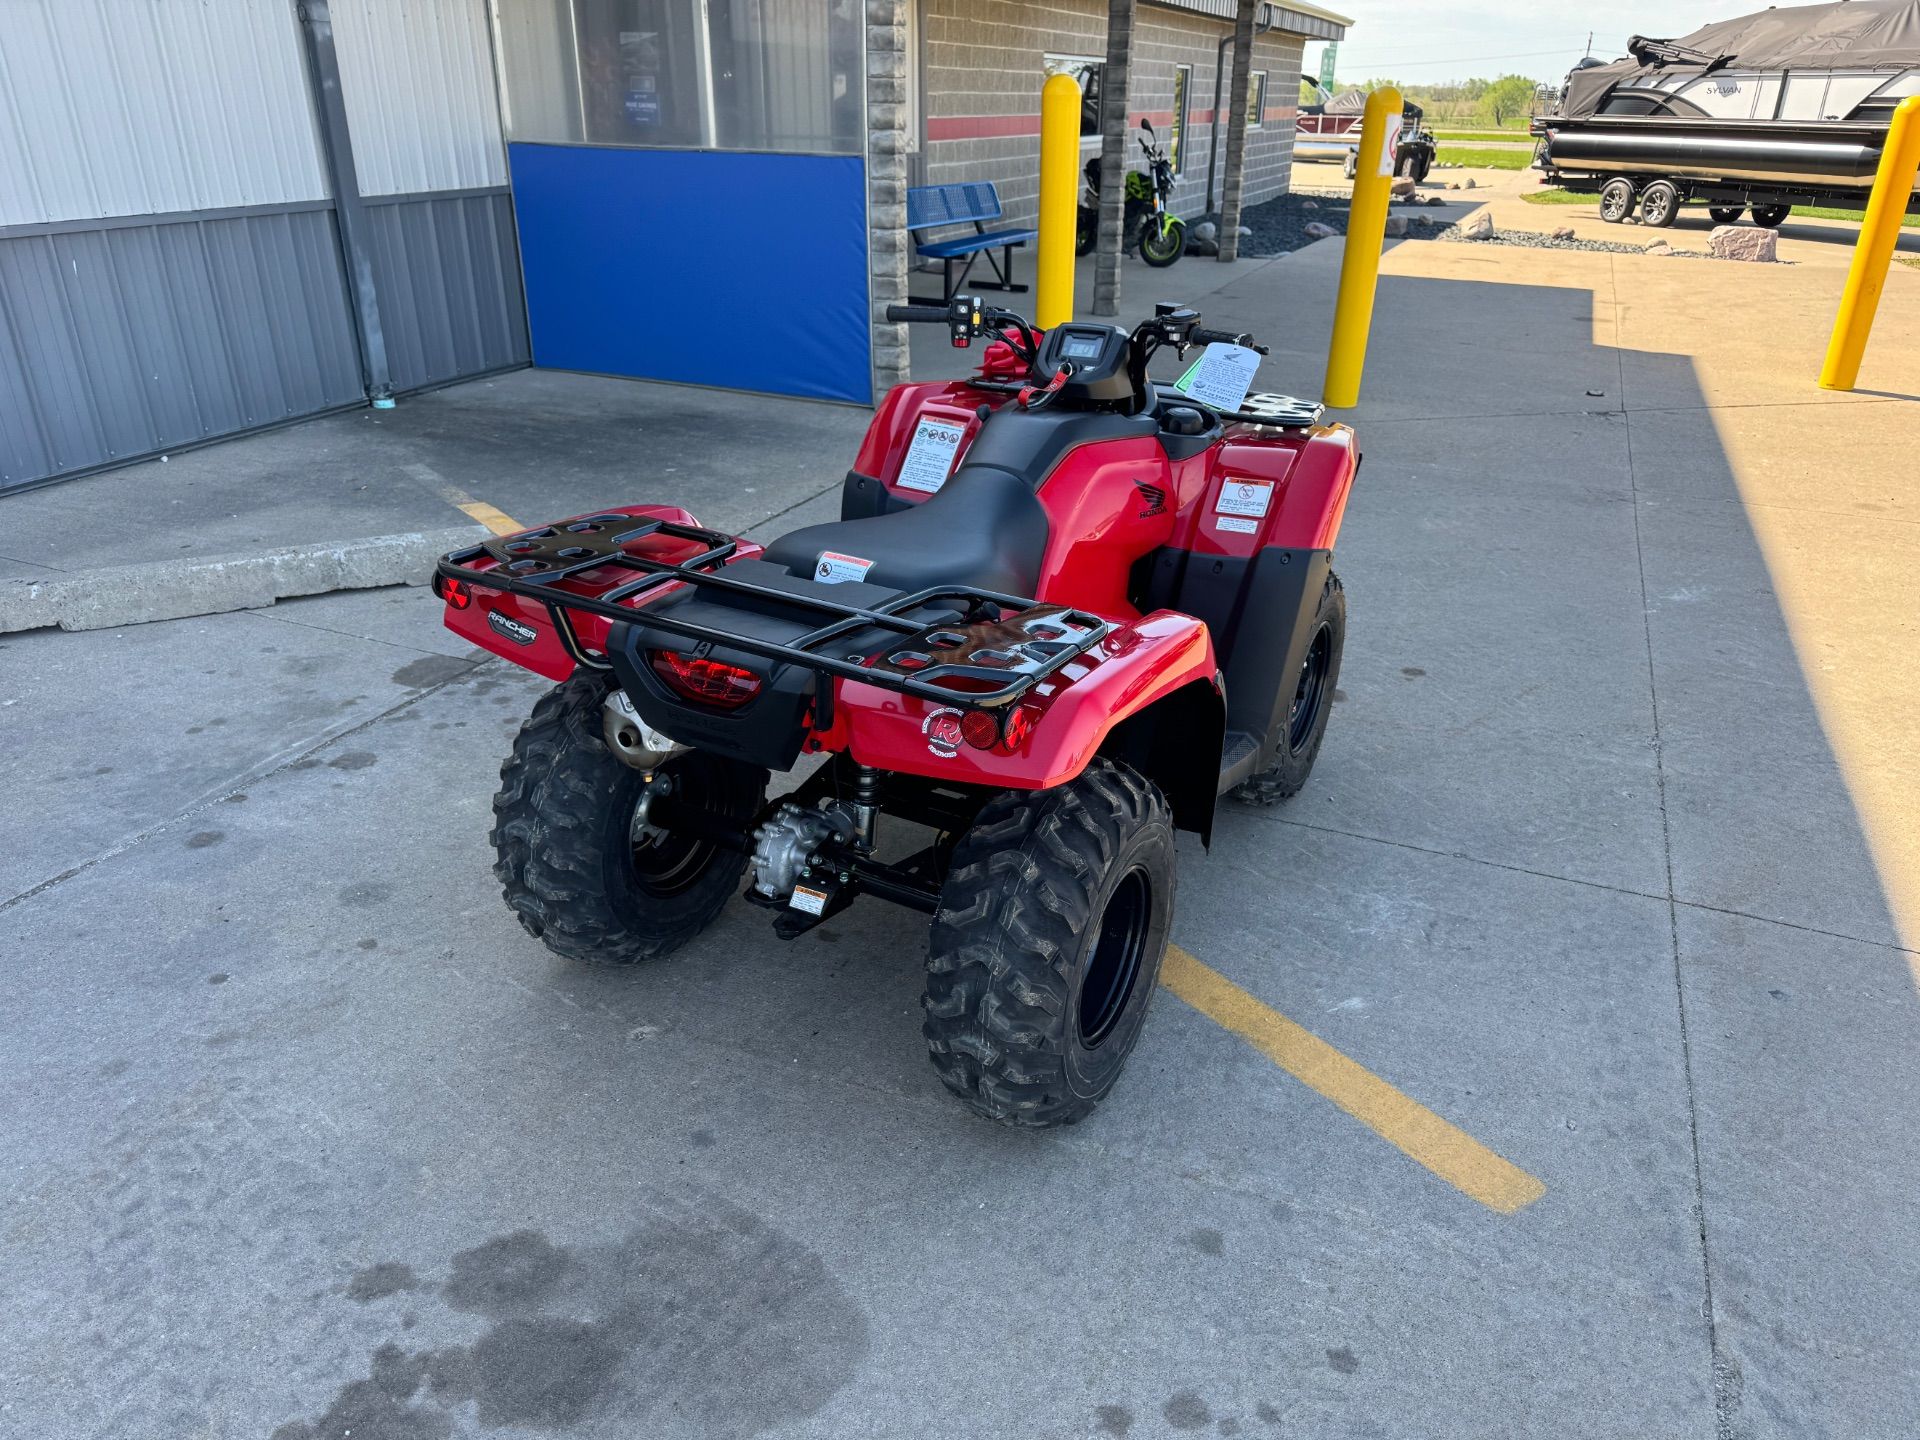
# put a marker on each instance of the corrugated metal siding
(448, 273)
(417, 78)
(119, 343)
(116, 108)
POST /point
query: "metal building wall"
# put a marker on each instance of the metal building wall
(418, 80)
(170, 257)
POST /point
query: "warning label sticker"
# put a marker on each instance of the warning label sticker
(930, 458)
(1244, 497)
(837, 569)
(1236, 524)
(808, 899)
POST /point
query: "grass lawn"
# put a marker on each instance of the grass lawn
(1800, 212)
(1484, 159)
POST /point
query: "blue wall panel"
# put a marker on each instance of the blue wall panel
(742, 271)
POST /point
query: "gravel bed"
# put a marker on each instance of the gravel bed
(1280, 225)
(1536, 240)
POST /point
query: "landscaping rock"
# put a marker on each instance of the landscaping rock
(1206, 231)
(1565, 232)
(1659, 247)
(1404, 187)
(1396, 226)
(1317, 231)
(1435, 200)
(1480, 227)
(1467, 184)
(1744, 242)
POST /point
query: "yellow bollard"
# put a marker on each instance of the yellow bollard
(1360, 263)
(1873, 252)
(1059, 199)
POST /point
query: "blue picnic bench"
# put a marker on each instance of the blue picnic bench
(935, 207)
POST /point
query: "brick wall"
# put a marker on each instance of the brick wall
(983, 69)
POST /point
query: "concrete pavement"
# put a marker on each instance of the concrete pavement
(1604, 862)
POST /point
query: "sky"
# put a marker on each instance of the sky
(1435, 40)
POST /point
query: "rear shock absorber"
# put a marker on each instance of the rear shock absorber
(868, 788)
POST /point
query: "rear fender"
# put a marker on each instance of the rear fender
(1083, 711)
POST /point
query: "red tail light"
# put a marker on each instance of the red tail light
(454, 592)
(980, 729)
(711, 682)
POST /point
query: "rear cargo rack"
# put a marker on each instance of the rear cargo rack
(1025, 640)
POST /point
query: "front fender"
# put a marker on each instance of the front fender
(1079, 712)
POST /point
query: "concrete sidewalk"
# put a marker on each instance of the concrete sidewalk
(1608, 860)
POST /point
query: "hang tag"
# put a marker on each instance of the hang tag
(837, 569)
(930, 458)
(1221, 377)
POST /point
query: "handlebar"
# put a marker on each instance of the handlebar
(935, 314)
(1201, 336)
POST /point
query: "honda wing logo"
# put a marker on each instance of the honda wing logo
(1154, 499)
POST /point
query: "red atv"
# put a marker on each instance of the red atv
(1063, 612)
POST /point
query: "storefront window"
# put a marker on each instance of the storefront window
(771, 75)
(1256, 98)
(1085, 73)
(1177, 129)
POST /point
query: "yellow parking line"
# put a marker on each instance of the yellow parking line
(493, 519)
(1449, 1152)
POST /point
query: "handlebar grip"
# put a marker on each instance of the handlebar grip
(934, 313)
(1201, 336)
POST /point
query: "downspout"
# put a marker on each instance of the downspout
(1213, 130)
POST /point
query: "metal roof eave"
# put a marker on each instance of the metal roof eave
(1295, 17)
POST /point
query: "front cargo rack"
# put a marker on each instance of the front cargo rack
(1000, 648)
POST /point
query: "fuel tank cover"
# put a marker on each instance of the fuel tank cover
(1184, 420)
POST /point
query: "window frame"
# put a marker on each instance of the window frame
(1177, 126)
(1064, 64)
(1256, 99)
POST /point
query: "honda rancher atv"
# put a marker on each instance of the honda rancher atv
(1064, 610)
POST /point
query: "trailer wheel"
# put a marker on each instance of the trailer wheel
(1047, 945)
(1725, 214)
(1616, 200)
(1771, 216)
(1659, 204)
(579, 867)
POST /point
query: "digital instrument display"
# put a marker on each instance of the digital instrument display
(1081, 347)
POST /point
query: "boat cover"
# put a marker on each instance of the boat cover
(1856, 34)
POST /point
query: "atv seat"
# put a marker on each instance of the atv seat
(984, 528)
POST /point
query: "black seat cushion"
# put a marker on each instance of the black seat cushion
(985, 528)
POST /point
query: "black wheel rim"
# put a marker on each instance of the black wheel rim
(665, 864)
(1311, 691)
(1114, 967)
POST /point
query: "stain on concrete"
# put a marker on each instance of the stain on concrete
(1343, 1360)
(1208, 1242)
(1412, 672)
(1187, 1411)
(703, 1321)
(703, 1140)
(430, 670)
(364, 893)
(103, 769)
(354, 760)
(222, 1038)
(1268, 1413)
(1228, 1425)
(201, 839)
(377, 1282)
(219, 977)
(507, 1275)
(236, 798)
(1114, 1419)
(366, 944)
